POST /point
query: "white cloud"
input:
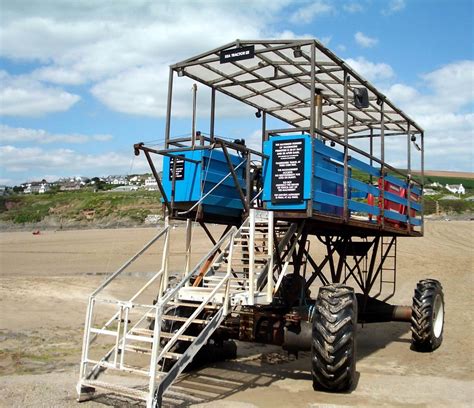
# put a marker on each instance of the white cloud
(394, 6)
(373, 71)
(364, 40)
(143, 91)
(24, 96)
(99, 44)
(5, 181)
(325, 40)
(445, 113)
(18, 135)
(308, 12)
(353, 7)
(37, 161)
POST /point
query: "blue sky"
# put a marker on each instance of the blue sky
(82, 81)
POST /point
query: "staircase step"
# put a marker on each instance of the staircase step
(143, 350)
(246, 265)
(116, 389)
(196, 305)
(183, 319)
(219, 278)
(124, 368)
(165, 335)
(179, 318)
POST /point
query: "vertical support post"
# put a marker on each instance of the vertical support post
(189, 232)
(117, 341)
(85, 343)
(422, 183)
(371, 147)
(312, 124)
(312, 116)
(319, 117)
(264, 128)
(124, 337)
(173, 182)
(382, 167)
(229, 272)
(164, 261)
(346, 150)
(168, 108)
(193, 128)
(408, 175)
(153, 359)
(248, 184)
(271, 229)
(213, 114)
(251, 256)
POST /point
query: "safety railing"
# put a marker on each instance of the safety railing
(123, 308)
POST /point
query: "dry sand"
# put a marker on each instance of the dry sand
(46, 279)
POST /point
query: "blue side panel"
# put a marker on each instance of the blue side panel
(416, 190)
(329, 179)
(395, 216)
(211, 169)
(362, 207)
(396, 181)
(364, 167)
(187, 189)
(394, 198)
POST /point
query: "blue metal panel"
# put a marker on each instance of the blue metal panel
(395, 216)
(364, 167)
(330, 199)
(329, 175)
(416, 190)
(361, 186)
(415, 221)
(362, 207)
(415, 206)
(211, 169)
(396, 199)
(396, 181)
(187, 189)
(324, 150)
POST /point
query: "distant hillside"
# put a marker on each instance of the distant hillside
(449, 174)
(82, 208)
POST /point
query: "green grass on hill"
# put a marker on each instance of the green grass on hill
(79, 205)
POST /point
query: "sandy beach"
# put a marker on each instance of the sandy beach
(46, 279)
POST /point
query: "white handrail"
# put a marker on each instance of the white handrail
(130, 261)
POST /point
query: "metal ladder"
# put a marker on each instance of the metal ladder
(388, 270)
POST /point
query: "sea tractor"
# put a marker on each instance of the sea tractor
(302, 227)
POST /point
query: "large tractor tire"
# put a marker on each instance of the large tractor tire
(427, 321)
(333, 350)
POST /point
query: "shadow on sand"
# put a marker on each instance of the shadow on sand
(259, 366)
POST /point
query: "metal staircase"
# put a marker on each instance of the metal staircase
(156, 340)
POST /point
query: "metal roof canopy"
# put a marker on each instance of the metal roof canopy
(282, 80)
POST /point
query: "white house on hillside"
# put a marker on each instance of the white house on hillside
(151, 184)
(435, 185)
(36, 187)
(456, 188)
